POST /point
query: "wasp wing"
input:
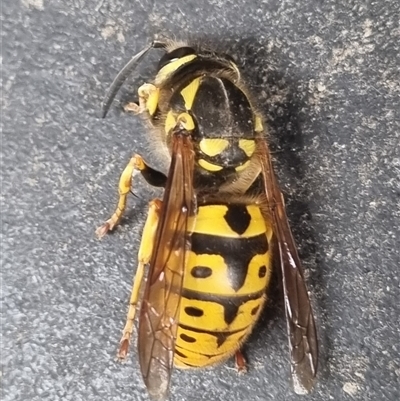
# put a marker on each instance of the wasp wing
(160, 306)
(300, 321)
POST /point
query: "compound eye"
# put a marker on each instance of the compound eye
(175, 54)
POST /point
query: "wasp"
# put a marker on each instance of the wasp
(208, 243)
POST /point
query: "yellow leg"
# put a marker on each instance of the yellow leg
(146, 93)
(145, 252)
(124, 187)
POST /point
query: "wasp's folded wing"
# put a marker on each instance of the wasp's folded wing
(299, 315)
(159, 311)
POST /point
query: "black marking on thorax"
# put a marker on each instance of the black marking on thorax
(222, 110)
(186, 73)
(206, 181)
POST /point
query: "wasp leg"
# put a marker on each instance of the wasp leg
(240, 362)
(145, 252)
(145, 92)
(153, 177)
(132, 107)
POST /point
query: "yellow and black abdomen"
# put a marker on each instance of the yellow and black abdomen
(227, 273)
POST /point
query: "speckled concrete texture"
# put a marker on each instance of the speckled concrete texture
(326, 75)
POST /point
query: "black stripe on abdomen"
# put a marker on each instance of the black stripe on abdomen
(231, 304)
(236, 252)
(221, 336)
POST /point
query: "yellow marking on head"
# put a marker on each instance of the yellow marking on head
(213, 147)
(189, 93)
(186, 120)
(243, 166)
(170, 122)
(172, 67)
(152, 101)
(209, 166)
(258, 125)
(248, 146)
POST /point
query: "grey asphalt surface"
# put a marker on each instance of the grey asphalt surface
(326, 75)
